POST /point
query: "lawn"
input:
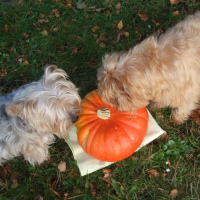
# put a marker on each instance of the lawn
(75, 35)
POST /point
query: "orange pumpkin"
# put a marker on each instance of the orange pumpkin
(107, 134)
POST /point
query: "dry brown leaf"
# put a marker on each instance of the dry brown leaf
(69, 5)
(133, 158)
(102, 37)
(55, 28)
(95, 36)
(120, 25)
(198, 175)
(118, 11)
(77, 191)
(6, 28)
(38, 2)
(62, 166)
(108, 12)
(174, 1)
(55, 12)
(126, 34)
(153, 173)
(11, 50)
(74, 51)
(157, 24)
(193, 1)
(175, 13)
(118, 6)
(56, 193)
(26, 62)
(39, 197)
(3, 172)
(107, 175)
(102, 45)
(45, 33)
(168, 163)
(25, 35)
(95, 28)
(163, 136)
(43, 21)
(173, 193)
(93, 188)
(143, 17)
(160, 116)
(52, 182)
(73, 174)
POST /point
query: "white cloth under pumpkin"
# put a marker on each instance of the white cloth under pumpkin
(87, 164)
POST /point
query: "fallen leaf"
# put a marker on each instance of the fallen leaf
(95, 36)
(193, 1)
(174, 1)
(157, 24)
(43, 21)
(55, 12)
(38, 2)
(73, 174)
(39, 197)
(168, 163)
(126, 34)
(107, 175)
(11, 50)
(118, 11)
(120, 25)
(95, 28)
(56, 193)
(77, 191)
(173, 193)
(160, 116)
(25, 35)
(175, 13)
(52, 182)
(143, 17)
(55, 28)
(45, 33)
(81, 6)
(108, 12)
(163, 136)
(74, 51)
(26, 62)
(14, 184)
(6, 28)
(118, 6)
(153, 173)
(198, 175)
(62, 166)
(102, 45)
(3, 172)
(93, 188)
(42, 15)
(69, 5)
(133, 158)
(102, 37)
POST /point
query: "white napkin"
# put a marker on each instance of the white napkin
(87, 164)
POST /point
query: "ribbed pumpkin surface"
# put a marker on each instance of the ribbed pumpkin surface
(110, 139)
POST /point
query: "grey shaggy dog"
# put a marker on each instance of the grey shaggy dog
(31, 115)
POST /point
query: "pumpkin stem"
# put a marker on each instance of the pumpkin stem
(103, 113)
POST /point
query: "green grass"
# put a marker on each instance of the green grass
(70, 44)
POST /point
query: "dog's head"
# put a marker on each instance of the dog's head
(123, 78)
(50, 105)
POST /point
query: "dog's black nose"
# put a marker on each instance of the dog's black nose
(74, 119)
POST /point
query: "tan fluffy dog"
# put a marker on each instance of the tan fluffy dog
(164, 71)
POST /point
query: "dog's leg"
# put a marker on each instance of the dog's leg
(37, 153)
(182, 113)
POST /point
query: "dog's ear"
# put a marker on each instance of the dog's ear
(21, 108)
